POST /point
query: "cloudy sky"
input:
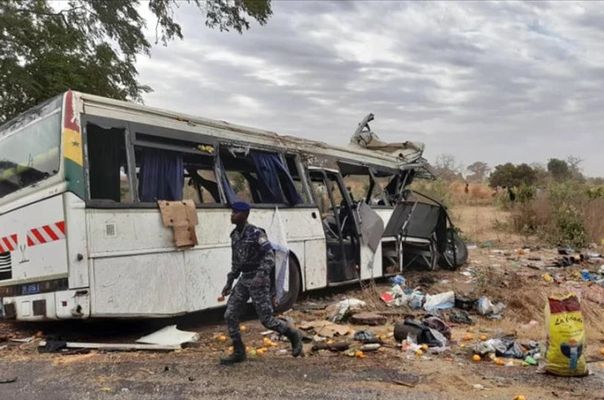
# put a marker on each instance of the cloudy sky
(493, 82)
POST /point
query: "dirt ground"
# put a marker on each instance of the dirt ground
(499, 267)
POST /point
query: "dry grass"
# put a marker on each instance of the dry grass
(477, 194)
(485, 223)
(593, 217)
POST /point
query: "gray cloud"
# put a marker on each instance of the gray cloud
(487, 81)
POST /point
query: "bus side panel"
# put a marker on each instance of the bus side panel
(77, 243)
(34, 236)
(315, 264)
(142, 285)
(206, 271)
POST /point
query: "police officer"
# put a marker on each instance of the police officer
(252, 262)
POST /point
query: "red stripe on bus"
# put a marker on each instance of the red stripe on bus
(8, 244)
(50, 232)
(61, 226)
(70, 122)
(38, 235)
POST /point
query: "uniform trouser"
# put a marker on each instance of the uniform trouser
(259, 291)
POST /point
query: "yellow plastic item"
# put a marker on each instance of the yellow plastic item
(424, 347)
(565, 340)
(476, 358)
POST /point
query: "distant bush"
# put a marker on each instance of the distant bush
(567, 212)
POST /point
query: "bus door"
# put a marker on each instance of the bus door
(340, 226)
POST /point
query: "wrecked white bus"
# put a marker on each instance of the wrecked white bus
(81, 233)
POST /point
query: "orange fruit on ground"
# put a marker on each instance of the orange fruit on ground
(476, 358)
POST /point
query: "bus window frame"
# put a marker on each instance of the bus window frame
(130, 131)
(44, 110)
(252, 146)
(132, 128)
(372, 180)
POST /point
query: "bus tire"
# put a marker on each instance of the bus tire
(295, 283)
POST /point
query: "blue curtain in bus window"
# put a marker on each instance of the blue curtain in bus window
(161, 175)
(229, 193)
(275, 176)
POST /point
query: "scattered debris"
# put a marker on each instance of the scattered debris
(419, 333)
(326, 328)
(343, 309)
(368, 318)
(22, 340)
(169, 336)
(8, 380)
(460, 317)
(441, 301)
(504, 347)
(335, 346)
(487, 308)
(366, 337)
(370, 347)
(464, 302)
(112, 346)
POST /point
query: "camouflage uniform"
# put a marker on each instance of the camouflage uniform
(253, 261)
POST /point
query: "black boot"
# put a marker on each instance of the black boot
(295, 337)
(237, 356)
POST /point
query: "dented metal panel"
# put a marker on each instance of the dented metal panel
(227, 132)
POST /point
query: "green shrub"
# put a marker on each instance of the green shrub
(562, 213)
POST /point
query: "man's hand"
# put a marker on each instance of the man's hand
(226, 290)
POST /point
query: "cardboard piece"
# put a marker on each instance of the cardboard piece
(181, 216)
(326, 328)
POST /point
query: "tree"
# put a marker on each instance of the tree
(558, 169)
(574, 167)
(91, 45)
(511, 175)
(445, 167)
(479, 170)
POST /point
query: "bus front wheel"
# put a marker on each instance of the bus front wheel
(295, 280)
